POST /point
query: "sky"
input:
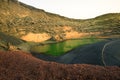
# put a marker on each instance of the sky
(78, 9)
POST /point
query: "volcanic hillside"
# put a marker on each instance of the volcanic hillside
(24, 21)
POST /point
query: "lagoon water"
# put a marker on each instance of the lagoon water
(56, 49)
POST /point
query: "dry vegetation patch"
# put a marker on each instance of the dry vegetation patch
(22, 66)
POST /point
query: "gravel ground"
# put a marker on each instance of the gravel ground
(101, 53)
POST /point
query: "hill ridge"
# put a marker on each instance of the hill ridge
(20, 20)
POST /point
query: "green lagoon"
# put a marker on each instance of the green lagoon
(59, 48)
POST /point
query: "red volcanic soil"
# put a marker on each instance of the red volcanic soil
(22, 66)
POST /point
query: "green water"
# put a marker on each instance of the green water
(57, 49)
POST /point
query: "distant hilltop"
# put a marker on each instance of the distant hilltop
(9, 1)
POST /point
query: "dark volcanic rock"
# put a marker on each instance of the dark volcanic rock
(101, 53)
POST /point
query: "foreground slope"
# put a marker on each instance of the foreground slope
(23, 21)
(22, 66)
